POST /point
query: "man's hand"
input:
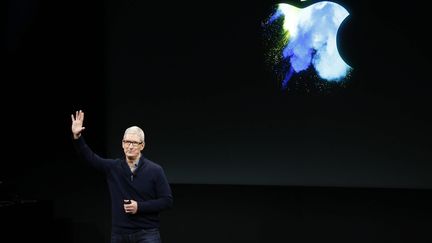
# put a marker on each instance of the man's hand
(77, 124)
(130, 206)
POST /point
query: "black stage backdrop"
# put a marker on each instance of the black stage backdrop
(194, 77)
(350, 165)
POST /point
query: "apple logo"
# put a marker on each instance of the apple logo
(304, 40)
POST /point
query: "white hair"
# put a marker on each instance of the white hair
(135, 130)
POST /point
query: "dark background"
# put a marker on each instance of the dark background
(195, 78)
(247, 162)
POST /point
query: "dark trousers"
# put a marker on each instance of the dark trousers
(142, 236)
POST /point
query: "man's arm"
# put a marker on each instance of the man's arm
(80, 145)
(164, 198)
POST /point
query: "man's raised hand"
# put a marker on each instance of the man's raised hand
(77, 123)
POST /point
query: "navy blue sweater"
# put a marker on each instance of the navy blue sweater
(148, 186)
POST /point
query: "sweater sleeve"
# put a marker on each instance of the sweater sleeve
(164, 198)
(89, 156)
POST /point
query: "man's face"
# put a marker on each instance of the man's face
(132, 145)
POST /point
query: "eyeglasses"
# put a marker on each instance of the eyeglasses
(134, 143)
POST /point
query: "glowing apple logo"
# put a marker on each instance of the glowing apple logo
(303, 41)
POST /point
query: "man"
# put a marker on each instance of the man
(138, 187)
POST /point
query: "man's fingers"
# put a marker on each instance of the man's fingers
(79, 115)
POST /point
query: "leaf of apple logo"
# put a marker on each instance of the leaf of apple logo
(308, 36)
